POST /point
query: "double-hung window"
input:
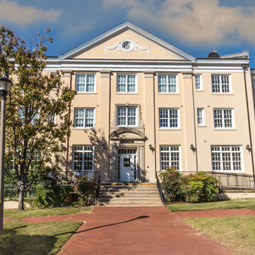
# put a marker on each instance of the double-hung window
(85, 83)
(126, 83)
(223, 118)
(200, 117)
(221, 84)
(168, 83)
(83, 158)
(170, 157)
(226, 158)
(84, 118)
(52, 118)
(54, 75)
(27, 115)
(198, 82)
(169, 118)
(127, 116)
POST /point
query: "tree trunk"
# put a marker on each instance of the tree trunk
(21, 195)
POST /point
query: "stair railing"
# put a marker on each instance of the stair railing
(161, 193)
(98, 187)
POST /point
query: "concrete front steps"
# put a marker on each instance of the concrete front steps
(119, 194)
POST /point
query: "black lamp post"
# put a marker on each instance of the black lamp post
(5, 87)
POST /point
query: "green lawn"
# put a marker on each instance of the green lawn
(37, 238)
(236, 233)
(229, 204)
(14, 213)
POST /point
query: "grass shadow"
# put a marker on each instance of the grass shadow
(36, 238)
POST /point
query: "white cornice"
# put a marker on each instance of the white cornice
(134, 61)
(222, 61)
(244, 54)
(141, 67)
(116, 30)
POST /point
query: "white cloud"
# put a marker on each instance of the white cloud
(21, 15)
(194, 21)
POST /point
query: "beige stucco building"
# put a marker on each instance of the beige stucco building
(143, 105)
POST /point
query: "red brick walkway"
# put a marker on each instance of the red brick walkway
(143, 230)
(140, 230)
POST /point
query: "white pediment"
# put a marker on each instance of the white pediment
(127, 41)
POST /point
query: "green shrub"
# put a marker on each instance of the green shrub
(85, 189)
(200, 187)
(32, 202)
(173, 185)
(51, 195)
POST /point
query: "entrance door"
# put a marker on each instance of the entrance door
(127, 168)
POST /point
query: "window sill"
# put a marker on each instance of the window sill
(126, 126)
(162, 171)
(82, 128)
(223, 94)
(225, 129)
(170, 129)
(127, 93)
(86, 93)
(202, 126)
(226, 172)
(199, 90)
(168, 93)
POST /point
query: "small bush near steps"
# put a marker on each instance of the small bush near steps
(85, 190)
(51, 195)
(193, 188)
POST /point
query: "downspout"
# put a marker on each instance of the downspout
(155, 139)
(68, 138)
(109, 127)
(195, 127)
(249, 123)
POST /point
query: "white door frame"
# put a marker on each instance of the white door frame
(131, 160)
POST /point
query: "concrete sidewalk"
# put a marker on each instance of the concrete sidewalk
(144, 230)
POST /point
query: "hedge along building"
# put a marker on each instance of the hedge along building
(143, 105)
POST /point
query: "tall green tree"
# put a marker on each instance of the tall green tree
(33, 138)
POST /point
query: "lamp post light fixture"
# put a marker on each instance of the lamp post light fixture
(192, 147)
(248, 147)
(151, 148)
(5, 87)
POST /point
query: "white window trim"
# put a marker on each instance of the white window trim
(221, 162)
(230, 84)
(85, 92)
(203, 116)
(177, 84)
(201, 84)
(136, 116)
(93, 160)
(180, 157)
(36, 117)
(223, 122)
(94, 120)
(55, 117)
(119, 92)
(178, 116)
(54, 74)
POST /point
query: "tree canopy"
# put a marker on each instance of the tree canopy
(37, 98)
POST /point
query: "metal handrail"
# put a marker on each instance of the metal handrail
(161, 193)
(98, 187)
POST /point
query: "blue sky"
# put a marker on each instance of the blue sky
(195, 26)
